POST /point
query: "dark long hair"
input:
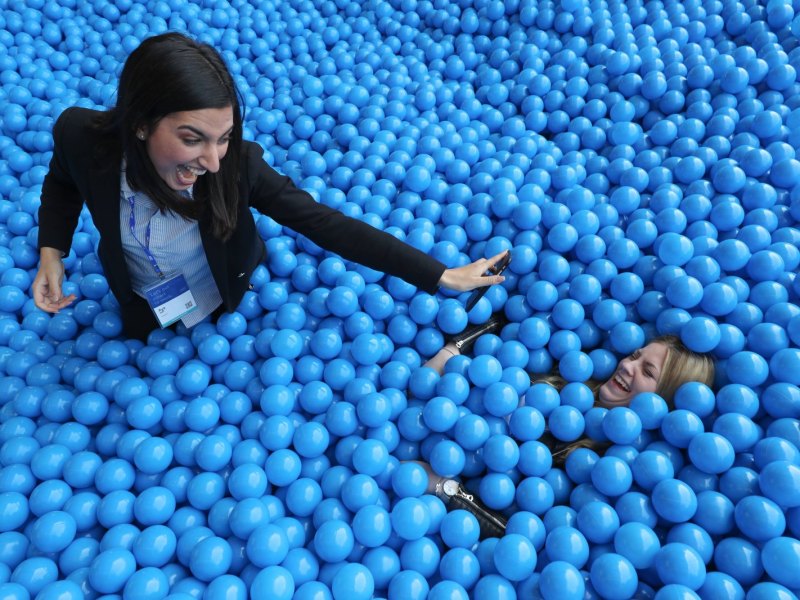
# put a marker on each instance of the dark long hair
(166, 74)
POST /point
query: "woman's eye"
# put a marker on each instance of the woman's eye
(191, 141)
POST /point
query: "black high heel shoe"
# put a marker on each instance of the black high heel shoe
(455, 495)
(466, 339)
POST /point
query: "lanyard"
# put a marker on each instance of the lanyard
(146, 245)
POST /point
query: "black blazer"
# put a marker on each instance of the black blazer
(79, 172)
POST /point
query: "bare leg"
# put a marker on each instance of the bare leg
(438, 360)
(433, 478)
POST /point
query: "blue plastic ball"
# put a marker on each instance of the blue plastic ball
(711, 453)
(333, 541)
(148, 582)
(598, 522)
(622, 425)
(353, 581)
(273, 582)
(567, 544)
(777, 481)
(53, 531)
(561, 579)
(267, 545)
(700, 334)
(613, 576)
(611, 476)
(111, 570)
(514, 557)
(674, 500)
(638, 543)
(409, 584)
(759, 518)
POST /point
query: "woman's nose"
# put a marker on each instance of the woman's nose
(626, 366)
(210, 158)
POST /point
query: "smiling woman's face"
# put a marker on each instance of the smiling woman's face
(635, 374)
(185, 145)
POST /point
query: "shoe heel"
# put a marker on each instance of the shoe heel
(464, 340)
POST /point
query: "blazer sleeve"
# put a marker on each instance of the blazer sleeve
(61, 199)
(276, 196)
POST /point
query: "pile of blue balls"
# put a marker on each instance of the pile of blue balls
(639, 158)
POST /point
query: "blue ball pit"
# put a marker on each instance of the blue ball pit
(640, 162)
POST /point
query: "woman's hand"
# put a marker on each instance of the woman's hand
(473, 275)
(46, 286)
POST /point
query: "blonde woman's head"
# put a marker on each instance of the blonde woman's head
(661, 366)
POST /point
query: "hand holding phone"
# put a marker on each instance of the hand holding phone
(495, 269)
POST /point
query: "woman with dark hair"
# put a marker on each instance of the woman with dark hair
(169, 183)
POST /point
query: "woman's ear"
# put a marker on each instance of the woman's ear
(141, 131)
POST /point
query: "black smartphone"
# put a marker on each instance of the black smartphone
(496, 269)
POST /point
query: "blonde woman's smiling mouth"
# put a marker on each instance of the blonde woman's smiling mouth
(621, 383)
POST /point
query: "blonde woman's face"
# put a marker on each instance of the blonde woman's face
(635, 374)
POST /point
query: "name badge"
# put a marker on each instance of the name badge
(170, 299)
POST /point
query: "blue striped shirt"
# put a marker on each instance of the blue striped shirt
(175, 243)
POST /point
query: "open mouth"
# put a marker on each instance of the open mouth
(621, 383)
(187, 174)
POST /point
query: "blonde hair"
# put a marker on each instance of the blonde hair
(682, 365)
